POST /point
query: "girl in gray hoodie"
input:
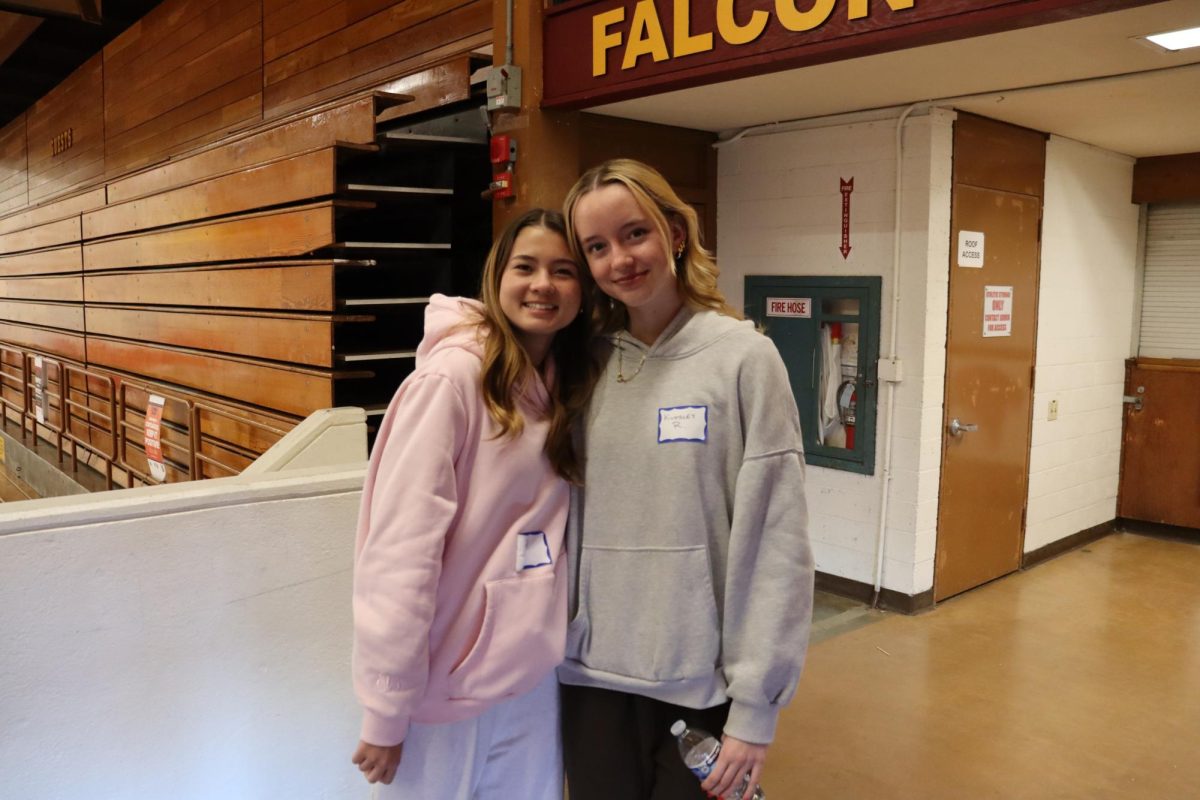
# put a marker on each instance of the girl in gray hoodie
(691, 573)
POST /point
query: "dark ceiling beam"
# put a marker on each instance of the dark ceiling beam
(86, 10)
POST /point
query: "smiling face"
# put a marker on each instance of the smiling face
(627, 254)
(540, 293)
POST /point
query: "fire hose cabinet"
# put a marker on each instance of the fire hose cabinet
(827, 331)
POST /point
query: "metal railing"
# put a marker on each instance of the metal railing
(70, 407)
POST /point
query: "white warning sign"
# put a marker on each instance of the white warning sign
(970, 249)
(997, 310)
(789, 307)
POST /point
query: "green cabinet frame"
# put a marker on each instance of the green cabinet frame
(799, 342)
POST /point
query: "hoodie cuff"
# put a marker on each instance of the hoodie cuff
(753, 724)
(383, 732)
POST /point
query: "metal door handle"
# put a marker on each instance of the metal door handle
(959, 428)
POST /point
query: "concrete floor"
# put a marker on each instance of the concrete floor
(12, 488)
(1079, 678)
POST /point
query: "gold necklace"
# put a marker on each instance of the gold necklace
(621, 362)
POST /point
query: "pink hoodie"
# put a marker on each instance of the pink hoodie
(459, 580)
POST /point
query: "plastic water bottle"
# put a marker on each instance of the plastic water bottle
(699, 750)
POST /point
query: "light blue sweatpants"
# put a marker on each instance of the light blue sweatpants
(514, 750)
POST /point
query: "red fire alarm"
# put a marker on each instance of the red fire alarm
(503, 149)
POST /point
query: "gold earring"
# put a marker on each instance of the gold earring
(679, 251)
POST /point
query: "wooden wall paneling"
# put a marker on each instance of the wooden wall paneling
(405, 38)
(154, 26)
(304, 177)
(43, 262)
(235, 427)
(67, 288)
(290, 24)
(14, 166)
(267, 234)
(440, 85)
(74, 108)
(257, 433)
(66, 316)
(979, 143)
(200, 76)
(49, 234)
(294, 286)
(244, 428)
(189, 60)
(55, 342)
(292, 390)
(54, 211)
(227, 108)
(299, 339)
(352, 121)
(1167, 179)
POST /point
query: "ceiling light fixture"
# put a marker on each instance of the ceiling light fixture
(1177, 40)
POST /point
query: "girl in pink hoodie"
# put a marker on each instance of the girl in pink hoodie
(459, 579)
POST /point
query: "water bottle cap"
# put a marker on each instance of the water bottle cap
(678, 728)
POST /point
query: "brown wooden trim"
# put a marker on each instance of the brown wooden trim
(1167, 179)
(294, 286)
(1165, 364)
(345, 121)
(268, 234)
(294, 179)
(292, 390)
(1158, 530)
(1075, 540)
(567, 34)
(864, 593)
(67, 288)
(43, 262)
(44, 340)
(52, 212)
(64, 231)
(301, 339)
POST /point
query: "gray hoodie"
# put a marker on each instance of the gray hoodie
(692, 575)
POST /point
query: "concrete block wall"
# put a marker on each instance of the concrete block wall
(1085, 323)
(779, 213)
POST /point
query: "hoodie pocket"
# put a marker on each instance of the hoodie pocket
(521, 639)
(647, 613)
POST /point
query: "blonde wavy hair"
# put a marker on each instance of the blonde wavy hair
(695, 269)
(507, 366)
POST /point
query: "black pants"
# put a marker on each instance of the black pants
(619, 746)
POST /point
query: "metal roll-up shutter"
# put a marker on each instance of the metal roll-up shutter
(1171, 288)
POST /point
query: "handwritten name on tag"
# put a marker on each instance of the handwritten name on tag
(683, 424)
(533, 550)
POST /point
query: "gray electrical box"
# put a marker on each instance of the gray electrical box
(504, 87)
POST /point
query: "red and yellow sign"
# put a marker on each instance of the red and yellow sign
(598, 51)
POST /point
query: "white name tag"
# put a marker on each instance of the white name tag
(533, 550)
(683, 424)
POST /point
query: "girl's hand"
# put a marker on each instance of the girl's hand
(378, 763)
(735, 760)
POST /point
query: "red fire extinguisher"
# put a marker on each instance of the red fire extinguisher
(847, 405)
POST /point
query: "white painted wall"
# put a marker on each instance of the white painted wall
(1085, 320)
(186, 641)
(779, 213)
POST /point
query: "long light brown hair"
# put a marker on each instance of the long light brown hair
(695, 269)
(507, 366)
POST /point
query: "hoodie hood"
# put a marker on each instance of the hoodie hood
(688, 332)
(452, 323)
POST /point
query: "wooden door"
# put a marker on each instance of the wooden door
(989, 354)
(1160, 456)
